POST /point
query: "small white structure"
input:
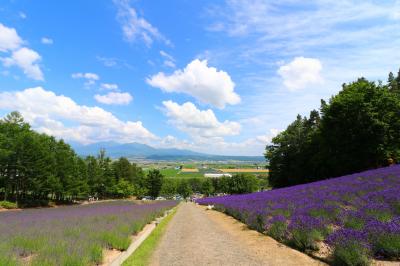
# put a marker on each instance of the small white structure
(217, 175)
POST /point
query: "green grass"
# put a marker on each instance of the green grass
(8, 205)
(142, 255)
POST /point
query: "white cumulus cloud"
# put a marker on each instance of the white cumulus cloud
(17, 55)
(49, 113)
(117, 98)
(301, 72)
(135, 27)
(27, 60)
(207, 84)
(198, 123)
(9, 39)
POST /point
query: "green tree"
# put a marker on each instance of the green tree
(207, 187)
(123, 170)
(392, 83)
(169, 187)
(123, 188)
(184, 188)
(242, 183)
(154, 182)
(358, 129)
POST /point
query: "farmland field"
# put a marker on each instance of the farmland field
(190, 170)
(352, 218)
(72, 235)
(244, 170)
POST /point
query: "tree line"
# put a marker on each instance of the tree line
(37, 168)
(237, 184)
(358, 129)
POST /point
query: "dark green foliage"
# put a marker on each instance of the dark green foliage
(388, 246)
(184, 188)
(350, 254)
(36, 168)
(277, 230)
(169, 187)
(354, 223)
(241, 183)
(303, 239)
(154, 182)
(207, 187)
(382, 216)
(358, 129)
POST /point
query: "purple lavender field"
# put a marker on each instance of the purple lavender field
(355, 217)
(72, 235)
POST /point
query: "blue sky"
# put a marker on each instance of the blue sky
(221, 77)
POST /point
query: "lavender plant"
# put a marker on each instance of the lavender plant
(357, 215)
(72, 235)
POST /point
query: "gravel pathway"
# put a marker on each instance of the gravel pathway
(199, 237)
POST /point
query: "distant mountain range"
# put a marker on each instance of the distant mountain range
(138, 150)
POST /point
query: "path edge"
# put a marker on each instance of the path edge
(139, 239)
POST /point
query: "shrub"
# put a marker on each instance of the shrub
(306, 239)
(388, 246)
(350, 254)
(382, 216)
(7, 260)
(354, 223)
(320, 213)
(96, 254)
(277, 230)
(8, 205)
(115, 240)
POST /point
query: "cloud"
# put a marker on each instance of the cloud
(46, 40)
(198, 123)
(107, 61)
(206, 84)
(22, 57)
(90, 78)
(116, 98)
(27, 60)
(173, 142)
(109, 86)
(9, 39)
(301, 72)
(135, 27)
(50, 113)
(22, 15)
(169, 60)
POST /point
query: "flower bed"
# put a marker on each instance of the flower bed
(357, 216)
(72, 235)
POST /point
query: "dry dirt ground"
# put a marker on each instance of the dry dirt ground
(196, 236)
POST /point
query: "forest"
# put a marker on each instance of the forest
(36, 169)
(358, 129)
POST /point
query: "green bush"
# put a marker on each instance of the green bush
(350, 254)
(388, 246)
(354, 223)
(8, 205)
(306, 239)
(7, 260)
(116, 240)
(277, 230)
(382, 216)
(96, 254)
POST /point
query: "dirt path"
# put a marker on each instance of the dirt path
(199, 237)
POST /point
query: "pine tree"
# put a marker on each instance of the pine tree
(392, 83)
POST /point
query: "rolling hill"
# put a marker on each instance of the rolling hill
(139, 150)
